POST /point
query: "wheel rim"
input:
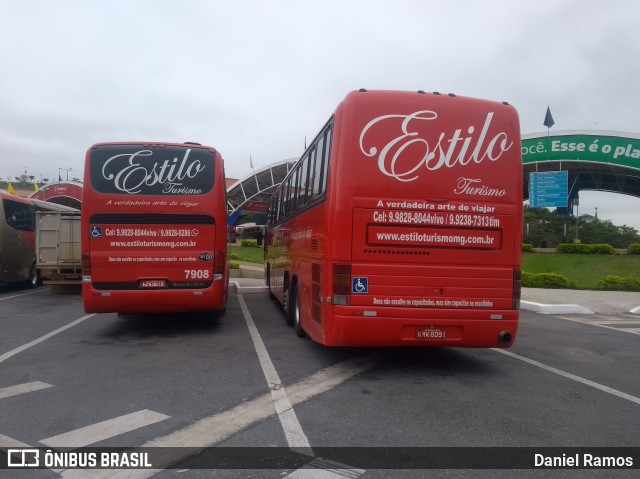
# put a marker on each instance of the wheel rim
(33, 277)
(296, 311)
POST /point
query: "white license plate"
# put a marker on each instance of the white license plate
(430, 333)
(153, 283)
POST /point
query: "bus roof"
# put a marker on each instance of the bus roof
(39, 204)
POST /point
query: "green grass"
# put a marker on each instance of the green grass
(583, 269)
(248, 254)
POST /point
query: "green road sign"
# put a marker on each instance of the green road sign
(575, 146)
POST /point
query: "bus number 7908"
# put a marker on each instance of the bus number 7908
(196, 273)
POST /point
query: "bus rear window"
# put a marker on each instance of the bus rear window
(19, 215)
(154, 170)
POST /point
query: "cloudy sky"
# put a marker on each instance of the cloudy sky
(254, 78)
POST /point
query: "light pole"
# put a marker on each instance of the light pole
(577, 218)
(64, 169)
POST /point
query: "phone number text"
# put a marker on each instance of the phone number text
(164, 232)
(428, 218)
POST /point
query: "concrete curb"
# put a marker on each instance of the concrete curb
(237, 288)
(554, 308)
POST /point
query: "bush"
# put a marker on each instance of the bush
(634, 249)
(527, 248)
(619, 283)
(603, 249)
(572, 248)
(546, 280)
(249, 243)
(579, 248)
(233, 265)
(234, 256)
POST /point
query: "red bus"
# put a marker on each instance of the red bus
(401, 224)
(154, 229)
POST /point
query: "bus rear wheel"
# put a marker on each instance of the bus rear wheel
(34, 277)
(295, 299)
(288, 307)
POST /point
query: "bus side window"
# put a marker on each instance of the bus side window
(19, 216)
(326, 159)
(313, 174)
(281, 212)
(317, 174)
(293, 195)
(303, 197)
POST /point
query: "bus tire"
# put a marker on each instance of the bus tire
(288, 309)
(268, 282)
(34, 277)
(295, 300)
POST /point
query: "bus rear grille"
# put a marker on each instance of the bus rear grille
(316, 293)
(315, 273)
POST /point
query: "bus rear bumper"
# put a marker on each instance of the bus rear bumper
(468, 329)
(157, 301)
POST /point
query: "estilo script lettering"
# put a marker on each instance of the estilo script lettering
(130, 178)
(448, 151)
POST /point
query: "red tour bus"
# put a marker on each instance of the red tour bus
(401, 224)
(154, 229)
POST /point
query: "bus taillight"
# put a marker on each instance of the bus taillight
(219, 266)
(517, 288)
(341, 284)
(86, 267)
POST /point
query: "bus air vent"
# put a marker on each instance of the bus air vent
(396, 251)
(316, 293)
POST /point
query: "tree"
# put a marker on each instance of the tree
(547, 228)
(543, 228)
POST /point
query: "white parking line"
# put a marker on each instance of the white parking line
(603, 323)
(13, 352)
(40, 290)
(573, 377)
(212, 430)
(296, 437)
(321, 468)
(100, 431)
(7, 442)
(22, 389)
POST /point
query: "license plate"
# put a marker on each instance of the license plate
(430, 333)
(153, 283)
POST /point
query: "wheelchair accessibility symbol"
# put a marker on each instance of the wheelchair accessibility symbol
(359, 285)
(96, 231)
